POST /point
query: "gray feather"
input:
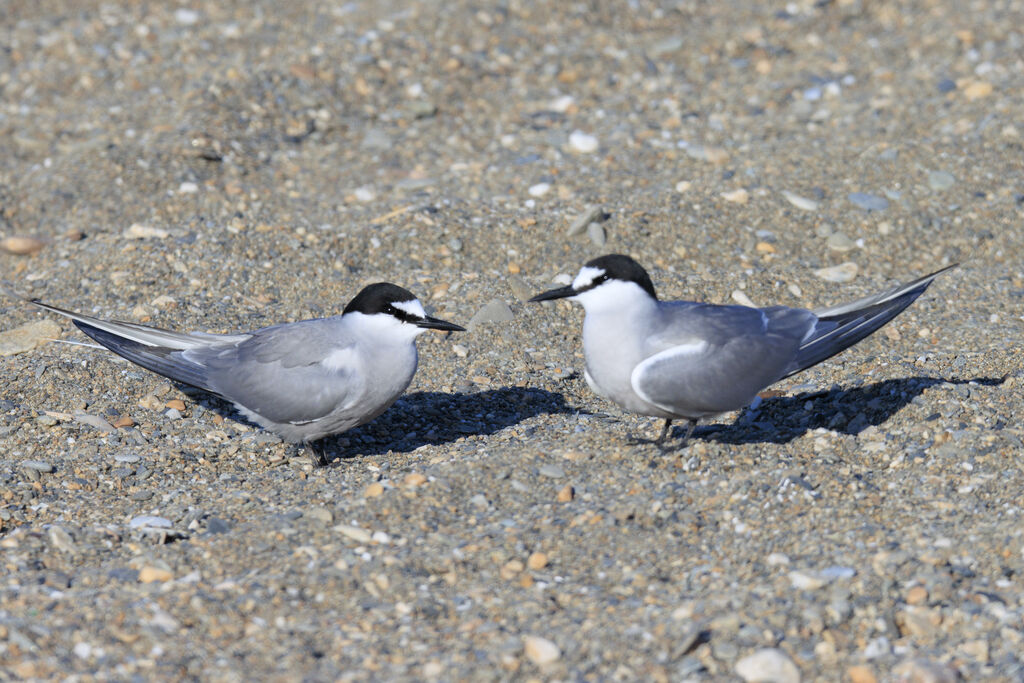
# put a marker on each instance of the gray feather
(840, 327)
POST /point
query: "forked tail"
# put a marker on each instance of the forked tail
(843, 326)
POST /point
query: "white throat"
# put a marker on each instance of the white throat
(384, 328)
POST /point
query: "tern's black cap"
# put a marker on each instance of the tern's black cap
(622, 267)
(378, 298)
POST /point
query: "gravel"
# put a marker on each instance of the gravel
(219, 168)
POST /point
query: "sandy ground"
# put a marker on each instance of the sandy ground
(225, 168)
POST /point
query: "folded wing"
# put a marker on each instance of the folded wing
(724, 356)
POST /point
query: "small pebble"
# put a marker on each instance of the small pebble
(364, 194)
(28, 336)
(376, 139)
(357, 534)
(713, 155)
(562, 104)
(494, 311)
(978, 89)
(844, 272)
(925, 671)
(373, 490)
(566, 494)
(149, 522)
(738, 196)
(804, 581)
(537, 561)
(877, 647)
(769, 665)
(869, 202)
(414, 479)
(138, 231)
(861, 673)
(740, 297)
(597, 234)
(154, 575)
(123, 422)
(21, 245)
(940, 181)
(150, 402)
(94, 421)
(319, 514)
(37, 465)
(186, 17)
(216, 525)
(838, 241)
(589, 215)
(539, 190)
(519, 288)
(61, 540)
(540, 650)
(551, 471)
(582, 142)
(917, 595)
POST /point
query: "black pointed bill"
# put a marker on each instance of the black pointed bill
(551, 294)
(438, 324)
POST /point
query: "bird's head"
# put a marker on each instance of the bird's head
(606, 281)
(392, 307)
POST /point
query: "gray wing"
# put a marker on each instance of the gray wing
(294, 373)
(712, 359)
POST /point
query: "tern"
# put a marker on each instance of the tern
(689, 360)
(302, 381)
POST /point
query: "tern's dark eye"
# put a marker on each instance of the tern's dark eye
(404, 316)
(595, 282)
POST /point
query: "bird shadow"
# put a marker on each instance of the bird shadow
(421, 418)
(418, 419)
(847, 411)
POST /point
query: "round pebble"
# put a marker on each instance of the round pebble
(869, 202)
(769, 665)
(844, 272)
(583, 143)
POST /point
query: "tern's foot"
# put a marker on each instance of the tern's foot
(666, 441)
(316, 453)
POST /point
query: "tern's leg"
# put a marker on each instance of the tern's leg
(661, 443)
(317, 453)
(665, 431)
(690, 426)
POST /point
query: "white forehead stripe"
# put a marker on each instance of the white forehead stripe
(412, 307)
(586, 277)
